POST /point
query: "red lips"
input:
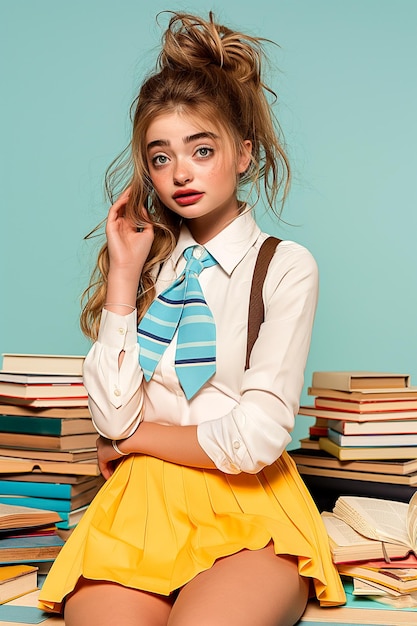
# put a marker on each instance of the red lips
(185, 197)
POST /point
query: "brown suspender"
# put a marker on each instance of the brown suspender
(256, 304)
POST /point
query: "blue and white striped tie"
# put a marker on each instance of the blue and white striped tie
(182, 306)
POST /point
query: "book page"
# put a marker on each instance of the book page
(343, 534)
(375, 518)
(412, 521)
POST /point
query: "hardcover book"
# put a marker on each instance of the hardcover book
(371, 452)
(17, 580)
(45, 425)
(44, 364)
(356, 416)
(372, 440)
(45, 442)
(82, 467)
(321, 458)
(354, 381)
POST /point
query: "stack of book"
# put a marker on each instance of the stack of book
(48, 454)
(364, 439)
(374, 542)
(28, 542)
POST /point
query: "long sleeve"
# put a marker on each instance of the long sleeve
(115, 394)
(256, 431)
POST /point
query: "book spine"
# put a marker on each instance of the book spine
(46, 504)
(39, 490)
(366, 441)
(30, 425)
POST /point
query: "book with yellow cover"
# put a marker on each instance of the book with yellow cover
(17, 580)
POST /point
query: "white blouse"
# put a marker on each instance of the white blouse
(244, 417)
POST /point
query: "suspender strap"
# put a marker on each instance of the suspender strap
(256, 304)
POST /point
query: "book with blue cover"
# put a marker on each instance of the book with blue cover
(51, 504)
(29, 548)
(52, 490)
(45, 425)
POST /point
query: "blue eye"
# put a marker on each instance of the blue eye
(159, 159)
(205, 151)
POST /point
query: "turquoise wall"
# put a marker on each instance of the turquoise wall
(348, 102)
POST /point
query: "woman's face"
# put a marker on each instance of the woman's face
(194, 170)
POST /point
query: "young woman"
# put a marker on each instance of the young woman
(203, 518)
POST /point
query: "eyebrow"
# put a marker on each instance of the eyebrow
(189, 139)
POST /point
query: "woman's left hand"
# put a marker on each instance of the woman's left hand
(107, 457)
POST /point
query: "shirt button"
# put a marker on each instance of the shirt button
(117, 392)
(236, 445)
(198, 252)
(121, 331)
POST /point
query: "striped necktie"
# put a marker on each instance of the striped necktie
(182, 307)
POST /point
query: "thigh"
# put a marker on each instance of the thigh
(250, 588)
(102, 603)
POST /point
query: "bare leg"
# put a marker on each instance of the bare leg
(250, 588)
(101, 603)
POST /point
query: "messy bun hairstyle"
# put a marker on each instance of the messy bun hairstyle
(213, 72)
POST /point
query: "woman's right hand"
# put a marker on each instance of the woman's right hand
(128, 248)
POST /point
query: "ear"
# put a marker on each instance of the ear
(244, 157)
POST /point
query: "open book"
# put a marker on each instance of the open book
(381, 528)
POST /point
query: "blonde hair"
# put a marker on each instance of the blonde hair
(208, 70)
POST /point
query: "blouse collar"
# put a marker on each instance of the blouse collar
(228, 247)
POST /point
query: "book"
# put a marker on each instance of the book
(30, 549)
(355, 416)
(349, 546)
(16, 581)
(309, 444)
(36, 476)
(381, 394)
(25, 612)
(372, 452)
(34, 392)
(45, 442)
(49, 489)
(44, 364)
(325, 490)
(87, 467)
(320, 458)
(372, 440)
(13, 516)
(317, 431)
(403, 581)
(58, 505)
(357, 610)
(367, 406)
(70, 456)
(354, 381)
(39, 379)
(51, 412)
(46, 402)
(388, 521)
(45, 425)
(71, 518)
(410, 479)
(397, 427)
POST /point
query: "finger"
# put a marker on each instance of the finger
(118, 207)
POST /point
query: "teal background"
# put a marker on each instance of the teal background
(345, 73)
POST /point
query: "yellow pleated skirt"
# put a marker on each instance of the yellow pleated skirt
(155, 525)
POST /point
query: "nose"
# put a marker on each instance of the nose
(182, 175)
